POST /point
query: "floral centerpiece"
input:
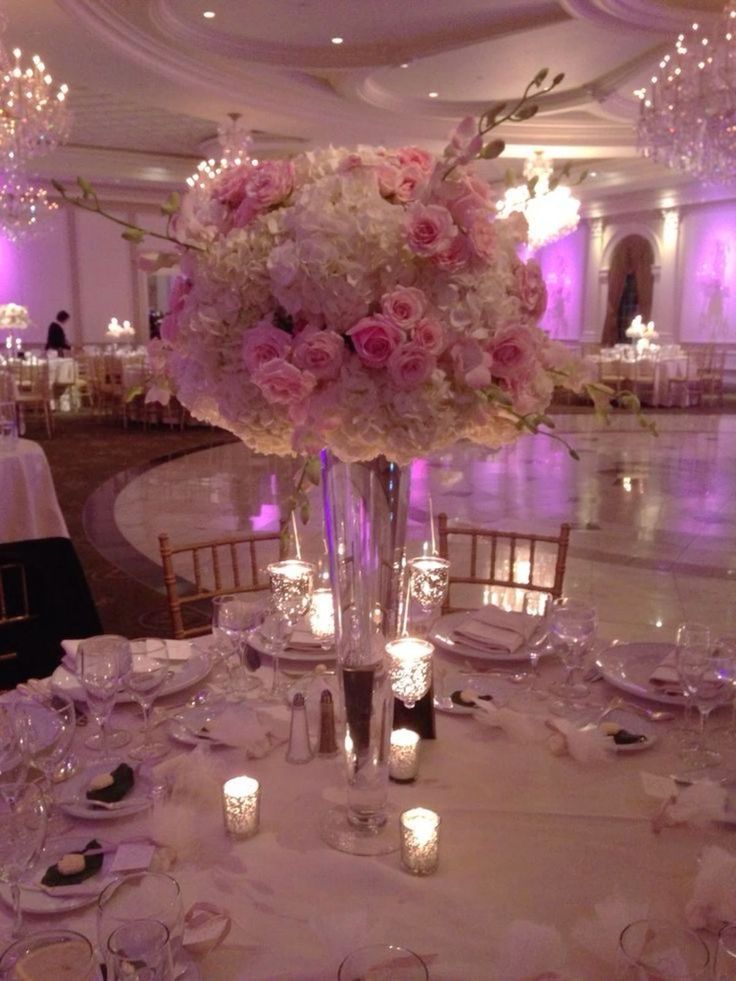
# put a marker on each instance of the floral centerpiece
(13, 317)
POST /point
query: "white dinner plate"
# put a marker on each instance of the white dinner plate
(76, 804)
(35, 898)
(183, 675)
(629, 667)
(635, 724)
(442, 637)
(314, 655)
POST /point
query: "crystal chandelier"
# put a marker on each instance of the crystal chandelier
(22, 204)
(33, 113)
(235, 142)
(687, 117)
(551, 213)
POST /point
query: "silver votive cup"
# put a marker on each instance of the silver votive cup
(419, 830)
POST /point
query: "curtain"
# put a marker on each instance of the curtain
(633, 254)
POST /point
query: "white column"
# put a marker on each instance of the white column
(665, 302)
(593, 311)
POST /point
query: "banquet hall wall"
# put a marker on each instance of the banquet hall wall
(81, 263)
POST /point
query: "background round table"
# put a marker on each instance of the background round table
(29, 507)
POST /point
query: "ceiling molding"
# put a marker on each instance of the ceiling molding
(647, 15)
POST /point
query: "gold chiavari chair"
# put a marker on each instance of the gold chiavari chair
(33, 391)
(196, 572)
(481, 557)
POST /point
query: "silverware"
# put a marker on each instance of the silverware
(654, 715)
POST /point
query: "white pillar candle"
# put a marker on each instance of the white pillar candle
(241, 800)
(321, 615)
(420, 840)
(410, 668)
(403, 761)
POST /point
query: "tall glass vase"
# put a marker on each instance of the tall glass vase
(365, 509)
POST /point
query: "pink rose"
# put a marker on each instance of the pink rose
(375, 339)
(266, 186)
(517, 227)
(429, 229)
(404, 305)
(415, 155)
(482, 237)
(471, 363)
(410, 365)
(264, 343)
(388, 179)
(513, 353)
(351, 161)
(455, 257)
(177, 298)
(427, 333)
(411, 180)
(529, 287)
(467, 199)
(283, 384)
(320, 352)
(229, 187)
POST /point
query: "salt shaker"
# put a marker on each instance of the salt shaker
(327, 740)
(300, 748)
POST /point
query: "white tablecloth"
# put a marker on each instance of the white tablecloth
(28, 504)
(526, 835)
(654, 372)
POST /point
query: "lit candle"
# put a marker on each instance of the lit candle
(430, 576)
(241, 799)
(420, 840)
(410, 668)
(403, 761)
(321, 614)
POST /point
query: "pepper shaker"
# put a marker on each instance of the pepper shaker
(327, 740)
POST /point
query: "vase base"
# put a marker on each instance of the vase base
(337, 832)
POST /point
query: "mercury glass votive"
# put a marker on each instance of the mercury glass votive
(429, 576)
(419, 830)
(321, 615)
(410, 668)
(292, 582)
(241, 801)
(403, 760)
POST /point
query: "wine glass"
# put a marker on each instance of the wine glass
(537, 605)
(574, 624)
(136, 896)
(147, 671)
(54, 953)
(292, 584)
(140, 951)
(102, 662)
(22, 832)
(662, 951)
(45, 728)
(13, 761)
(725, 646)
(429, 579)
(708, 678)
(696, 637)
(383, 961)
(726, 954)
(234, 619)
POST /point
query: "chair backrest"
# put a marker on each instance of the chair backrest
(7, 387)
(481, 557)
(196, 571)
(32, 378)
(44, 599)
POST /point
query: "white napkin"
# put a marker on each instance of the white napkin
(713, 901)
(178, 650)
(666, 675)
(302, 638)
(257, 731)
(583, 745)
(494, 629)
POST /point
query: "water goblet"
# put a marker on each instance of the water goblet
(292, 584)
(147, 670)
(140, 951)
(136, 896)
(13, 761)
(661, 951)
(537, 605)
(45, 728)
(574, 624)
(22, 833)
(708, 679)
(54, 953)
(725, 646)
(102, 662)
(695, 637)
(234, 618)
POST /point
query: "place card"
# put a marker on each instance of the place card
(132, 857)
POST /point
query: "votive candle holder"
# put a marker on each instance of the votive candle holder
(419, 830)
(410, 667)
(241, 800)
(403, 761)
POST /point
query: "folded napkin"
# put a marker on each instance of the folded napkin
(205, 927)
(302, 638)
(256, 731)
(178, 650)
(588, 745)
(713, 902)
(493, 629)
(666, 676)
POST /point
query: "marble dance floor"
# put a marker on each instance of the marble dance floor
(654, 520)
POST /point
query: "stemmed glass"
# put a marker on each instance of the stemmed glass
(696, 637)
(146, 672)
(140, 895)
(102, 663)
(71, 954)
(292, 583)
(140, 951)
(13, 761)
(429, 578)
(233, 620)
(45, 728)
(22, 832)
(538, 605)
(726, 954)
(574, 624)
(725, 646)
(708, 678)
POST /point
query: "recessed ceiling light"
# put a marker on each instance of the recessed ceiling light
(434, 95)
(209, 14)
(336, 40)
(405, 64)
(594, 173)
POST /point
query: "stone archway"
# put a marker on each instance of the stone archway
(630, 286)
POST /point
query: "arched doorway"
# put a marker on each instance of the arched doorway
(630, 287)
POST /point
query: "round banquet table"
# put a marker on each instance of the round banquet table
(29, 507)
(526, 835)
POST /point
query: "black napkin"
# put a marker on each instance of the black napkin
(92, 865)
(123, 780)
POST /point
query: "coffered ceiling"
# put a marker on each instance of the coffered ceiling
(151, 79)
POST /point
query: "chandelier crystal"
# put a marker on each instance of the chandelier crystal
(34, 118)
(23, 203)
(687, 115)
(235, 142)
(551, 213)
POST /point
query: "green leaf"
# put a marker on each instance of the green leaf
(526, 112)
(171, 204)
(135, 235)
(557, 79)
(573, 453)
(134, 392)
(492, 150)
(312, 470)
(540, 76)
(58, 186)
(489, 117)
(304, 512)
(87, 189)
(547, 421)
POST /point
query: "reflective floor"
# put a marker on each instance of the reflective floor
(654, 519)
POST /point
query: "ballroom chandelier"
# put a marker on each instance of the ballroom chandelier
(550, 212)
(235, 142)
(687, 116)
(23, 204)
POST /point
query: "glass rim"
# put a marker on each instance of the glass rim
(386, 948)
(165, 939)
(59, 935)
(670, 926)
(113, 886)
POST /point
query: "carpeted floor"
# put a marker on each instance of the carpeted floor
(84, 452)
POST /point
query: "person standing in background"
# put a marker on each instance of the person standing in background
(56, 338)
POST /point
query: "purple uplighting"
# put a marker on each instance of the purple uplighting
(562, 265)
(709, 261)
